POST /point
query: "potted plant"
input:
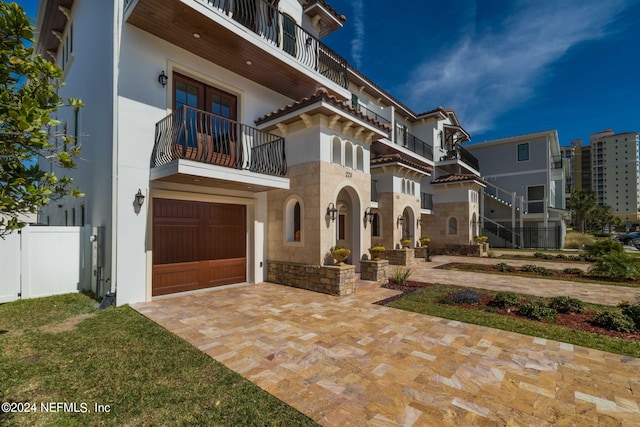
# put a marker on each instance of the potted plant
(405, 243)
(340, 254)
(480, 239)
(424, 241)
(483, 246)
(376, 252)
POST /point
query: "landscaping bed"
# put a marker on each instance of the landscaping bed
(571, 274)
(448, 301)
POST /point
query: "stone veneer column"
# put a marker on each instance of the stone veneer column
(375, 270)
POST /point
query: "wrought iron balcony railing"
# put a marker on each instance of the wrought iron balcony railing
(413, 143)
(193, 134)
(426, 201)
(264, 19)
(372, 115)
(458, 152)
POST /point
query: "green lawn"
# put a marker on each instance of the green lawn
(425, 301)
(62, 349)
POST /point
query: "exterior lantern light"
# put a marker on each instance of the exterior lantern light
(331, 211)
(368, 215)
(400, 219)
(139, 198)
(419, 222)
(162, 79)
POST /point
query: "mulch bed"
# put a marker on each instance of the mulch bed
(577, 321)
(461, 266)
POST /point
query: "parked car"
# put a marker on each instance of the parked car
(628, 237)
(635, 243)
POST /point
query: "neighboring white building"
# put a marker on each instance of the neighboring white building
(615, 177)
(524, 203)
(256, 147)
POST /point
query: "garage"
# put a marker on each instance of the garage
(197, 245)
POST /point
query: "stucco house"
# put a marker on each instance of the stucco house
(524, 201)
(223, 143)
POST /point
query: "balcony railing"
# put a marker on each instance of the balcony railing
(460, 153)
(426, 201)
(268, 22)
(193, 134)
(413, 143)
(372, 115)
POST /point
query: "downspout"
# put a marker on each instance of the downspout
(117, 7)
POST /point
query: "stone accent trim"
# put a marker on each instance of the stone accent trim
(327, 279)
(400, 256)
(375, 270)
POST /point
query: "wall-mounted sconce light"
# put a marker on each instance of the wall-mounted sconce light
(400, 220)
(368, 215)
(162, 79)
(419, 222)
(331, 211)
(139, 198)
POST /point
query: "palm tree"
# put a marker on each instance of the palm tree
(582, 203)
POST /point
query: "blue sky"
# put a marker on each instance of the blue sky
(507, 67)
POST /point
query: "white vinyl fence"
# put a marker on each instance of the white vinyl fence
(43, 261)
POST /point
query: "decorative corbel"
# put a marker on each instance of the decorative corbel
(306, 119)
(346, 126)
(284, 129)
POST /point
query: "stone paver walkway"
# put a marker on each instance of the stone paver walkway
(347, 362)
(588, 292)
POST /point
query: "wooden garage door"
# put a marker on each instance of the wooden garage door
(197, 245)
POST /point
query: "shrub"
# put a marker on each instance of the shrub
(632, 311)
(538, 254)
(614, 320)
(547, 272)
(465, 296)
(506, 300)
(529, 268)
(616, 266)
(573, 270)
(401, 275)
(537, 312)
(603, 247)
(504, 267)
(561, 256)
(566, 305)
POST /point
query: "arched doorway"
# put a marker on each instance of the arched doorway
(349, 224)
(408, 225)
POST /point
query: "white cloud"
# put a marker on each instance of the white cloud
(488, 73)
(357, 44)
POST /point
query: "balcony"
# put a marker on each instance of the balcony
(413, 143)
(212, 140)
(426, 201)
(459, 153)
(372, 115)
(216, 30)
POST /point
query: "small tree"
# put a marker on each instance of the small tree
(581, 204)
(28, 99)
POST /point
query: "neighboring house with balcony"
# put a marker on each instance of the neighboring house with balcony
(256, 146)
(523, 204)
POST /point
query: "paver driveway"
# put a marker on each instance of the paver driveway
(344, 361)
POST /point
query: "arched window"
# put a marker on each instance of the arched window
(293, 220)
(375, 225)
(336, 151)
(348, 154)
(413, 188)
(359, 158)
(452, 228)
(404, 186)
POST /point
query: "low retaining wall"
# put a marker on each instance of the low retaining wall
(400, 256)
(327, 279)
(375, 270)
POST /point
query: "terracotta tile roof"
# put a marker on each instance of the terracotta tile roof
(340, 17)
(322, 95)
(398, 158)
(456, 177)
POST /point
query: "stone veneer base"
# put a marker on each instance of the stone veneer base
(327, 279)
(400, 256)
(375, 271)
